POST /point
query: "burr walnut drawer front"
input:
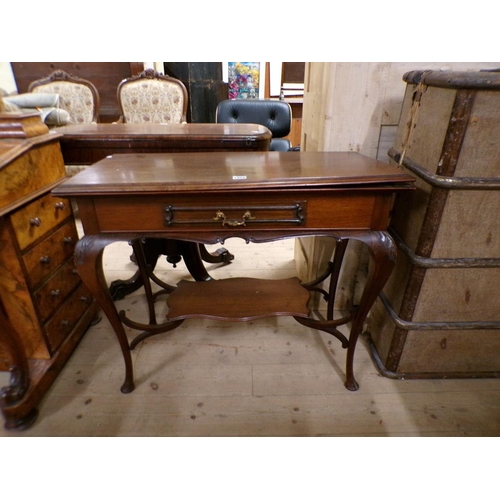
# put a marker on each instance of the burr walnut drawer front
(278, 211)
(67, 317)
(43, 259)
(53, 293)
(40, 216)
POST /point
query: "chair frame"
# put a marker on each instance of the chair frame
(152, 74)
(61, 76)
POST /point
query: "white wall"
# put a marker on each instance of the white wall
(346, 105)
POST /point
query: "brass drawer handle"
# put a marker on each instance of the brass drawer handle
(284, 214)
(45, 259)
(65, 323)
(83, 298)
(35, 222)
(60, 205)
(55, 293)
(220, 215)
(68, 240)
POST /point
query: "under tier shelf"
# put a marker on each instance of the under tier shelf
(238, 299)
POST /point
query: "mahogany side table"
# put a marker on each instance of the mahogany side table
(258, 196)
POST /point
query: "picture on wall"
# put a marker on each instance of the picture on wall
(245, 80)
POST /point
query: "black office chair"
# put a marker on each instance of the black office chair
(275, 115)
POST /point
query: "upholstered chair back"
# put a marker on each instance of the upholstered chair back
(273, 114)
(152, 97)
(77, 96)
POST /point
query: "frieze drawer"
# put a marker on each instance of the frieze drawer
(241, 211)
(234, 215)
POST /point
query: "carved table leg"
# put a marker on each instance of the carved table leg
(152, 249)
(192, 257)
(144, 270)
(382, 260)
(192, 254)
(338, 258)
(88, 260)
(221, 255)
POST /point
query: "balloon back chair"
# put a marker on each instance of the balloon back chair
(151, 97)
(77, 96)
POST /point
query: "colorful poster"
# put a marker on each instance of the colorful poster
(243, 80)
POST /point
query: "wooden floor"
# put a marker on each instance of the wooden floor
(271, 377)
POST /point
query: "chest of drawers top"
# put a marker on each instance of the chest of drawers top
(24, 172)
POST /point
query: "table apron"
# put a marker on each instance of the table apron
(187, 213)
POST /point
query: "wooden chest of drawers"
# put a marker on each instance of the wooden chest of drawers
(41, 295)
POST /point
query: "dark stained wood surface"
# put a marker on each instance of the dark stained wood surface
(193, 131)
(205, 87)
(240, 299)
(187, 172)
(87, 144)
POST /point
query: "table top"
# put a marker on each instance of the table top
(157, 173)
(193, 131)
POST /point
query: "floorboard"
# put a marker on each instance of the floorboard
(271, 377)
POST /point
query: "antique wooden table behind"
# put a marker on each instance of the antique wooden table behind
(87, 144)
(258, 196)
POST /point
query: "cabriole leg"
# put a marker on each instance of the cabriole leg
(88, 260)
(382, 260)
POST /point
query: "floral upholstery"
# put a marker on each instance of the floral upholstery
(77, 96)
(152, 98)
(77, 99)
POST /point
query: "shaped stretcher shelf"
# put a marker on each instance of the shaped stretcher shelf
(238, 299)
